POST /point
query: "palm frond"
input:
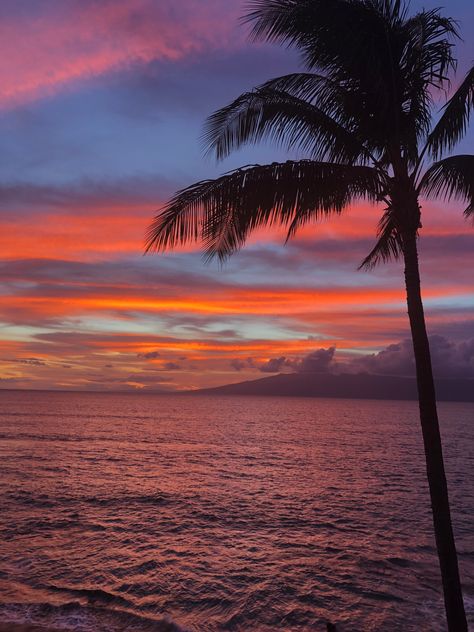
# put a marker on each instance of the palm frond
(345, 40)
(451, 178)
(317, 28)
(313, 88)
(428, 50)
(285, 119)
(390, 61)
(221, 213)
(454, 120)
(343, 101)
(389, 242)
(425, 62)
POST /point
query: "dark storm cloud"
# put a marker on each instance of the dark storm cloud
(275, 365)
(456, 328)
(31, 361)
(151, 355)
(27, 361)
(239, 365)
(317, 361)
(396, 359)
(449, 358)
(171, 366)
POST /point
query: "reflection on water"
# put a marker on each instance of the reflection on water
(173, 512)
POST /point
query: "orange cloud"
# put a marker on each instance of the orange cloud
(360, 222)
(68, 236)
(100, 229)
(70, 300)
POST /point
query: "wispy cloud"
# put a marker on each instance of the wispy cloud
(49, 46)
(101, 108)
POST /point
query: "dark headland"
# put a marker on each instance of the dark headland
(344, 385)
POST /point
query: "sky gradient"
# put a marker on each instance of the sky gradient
(101, 110)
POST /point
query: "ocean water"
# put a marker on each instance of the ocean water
(140, 512)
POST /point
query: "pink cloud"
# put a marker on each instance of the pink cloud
(46, 51)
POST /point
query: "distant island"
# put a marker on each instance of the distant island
(344, 385)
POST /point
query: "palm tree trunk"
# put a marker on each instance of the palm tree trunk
(447, 555)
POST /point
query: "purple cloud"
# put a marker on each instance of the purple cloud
(318, 361)
(239, 364)
(450, 359)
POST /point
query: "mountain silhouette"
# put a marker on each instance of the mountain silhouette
(345, 385)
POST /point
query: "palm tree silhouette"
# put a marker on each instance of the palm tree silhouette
(362, 113)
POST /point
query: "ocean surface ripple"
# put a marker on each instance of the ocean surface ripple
(170, 513)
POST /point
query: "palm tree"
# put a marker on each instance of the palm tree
(363, 115)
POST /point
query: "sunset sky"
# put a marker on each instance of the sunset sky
(101, 109)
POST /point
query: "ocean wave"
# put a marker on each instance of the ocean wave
(46, 501)
(223, 522)
(79, 618)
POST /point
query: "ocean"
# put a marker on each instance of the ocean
(160, 512)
